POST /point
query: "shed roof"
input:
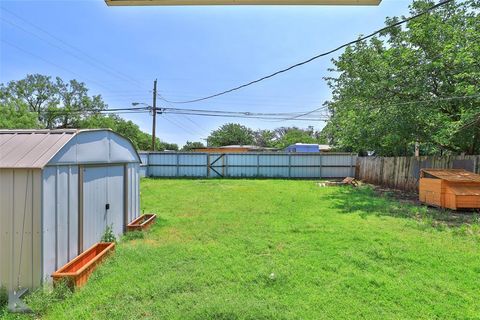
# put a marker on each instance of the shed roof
(454, 175)
(34, 148)
(31, 148)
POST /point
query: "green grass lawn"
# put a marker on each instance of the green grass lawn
(277, 249)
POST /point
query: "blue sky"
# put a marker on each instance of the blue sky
(193, 51)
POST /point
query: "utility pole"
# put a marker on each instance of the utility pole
(154, 113)
(417, 149)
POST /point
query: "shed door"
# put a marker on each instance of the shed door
(102, 202)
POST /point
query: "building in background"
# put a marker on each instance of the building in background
(308, 147)
(234, 149)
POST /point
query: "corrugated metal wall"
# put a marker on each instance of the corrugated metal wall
(60, 217)
(20, 234)
(60, 208)
(142, 169)
(249, 165)
(133, 191)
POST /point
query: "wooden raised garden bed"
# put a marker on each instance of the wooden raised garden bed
(142, 223)
(77, 271)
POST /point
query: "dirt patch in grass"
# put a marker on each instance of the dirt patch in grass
(169, 235)
(188, 214)
(398, 203)
(450, 217)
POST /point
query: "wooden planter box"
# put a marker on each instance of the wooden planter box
(77, 271)
(142, 223)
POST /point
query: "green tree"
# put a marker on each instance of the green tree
(74, 104)
(168, 146)
(17, 116)
(231, 134)
(57, 104)
(189, 146)
(264, 138)
(40, 102)
(36, 91)
(286, 136)
(402, 87)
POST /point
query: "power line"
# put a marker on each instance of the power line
(80, 58)
(187, 94)
(298, 116)
(307, 113)
(62, 112)
(187, 126)
(246, 117)
(195, 123)
(65, 111)
(473, 96)
(180, 126)
(475, 121)
(190, 128)
(89, 60)
(396, 24)
(245, 113)
(188, 118)
(252, 99)
(266, 104)
(52, 63)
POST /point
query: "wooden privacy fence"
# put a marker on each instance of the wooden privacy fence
(404, 172)
(248, 165)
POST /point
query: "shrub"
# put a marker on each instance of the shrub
(43, 298)
(108, 235)
(3, 297)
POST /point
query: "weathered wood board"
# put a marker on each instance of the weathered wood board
(403, 173)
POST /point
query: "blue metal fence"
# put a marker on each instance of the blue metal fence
(247, 165)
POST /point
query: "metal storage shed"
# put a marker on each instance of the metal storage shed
(59, 190)
(450, 188)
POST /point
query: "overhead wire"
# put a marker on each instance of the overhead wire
(179, 126)
(188, 118)
(396, 104)
(245, 117)
(247, 113)
(195, 123)
(57, 46)
(88, 58)
(360, 39)
(51, 63)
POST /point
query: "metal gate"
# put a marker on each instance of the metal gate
(216, 165)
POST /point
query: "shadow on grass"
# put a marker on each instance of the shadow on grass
(364, 201)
